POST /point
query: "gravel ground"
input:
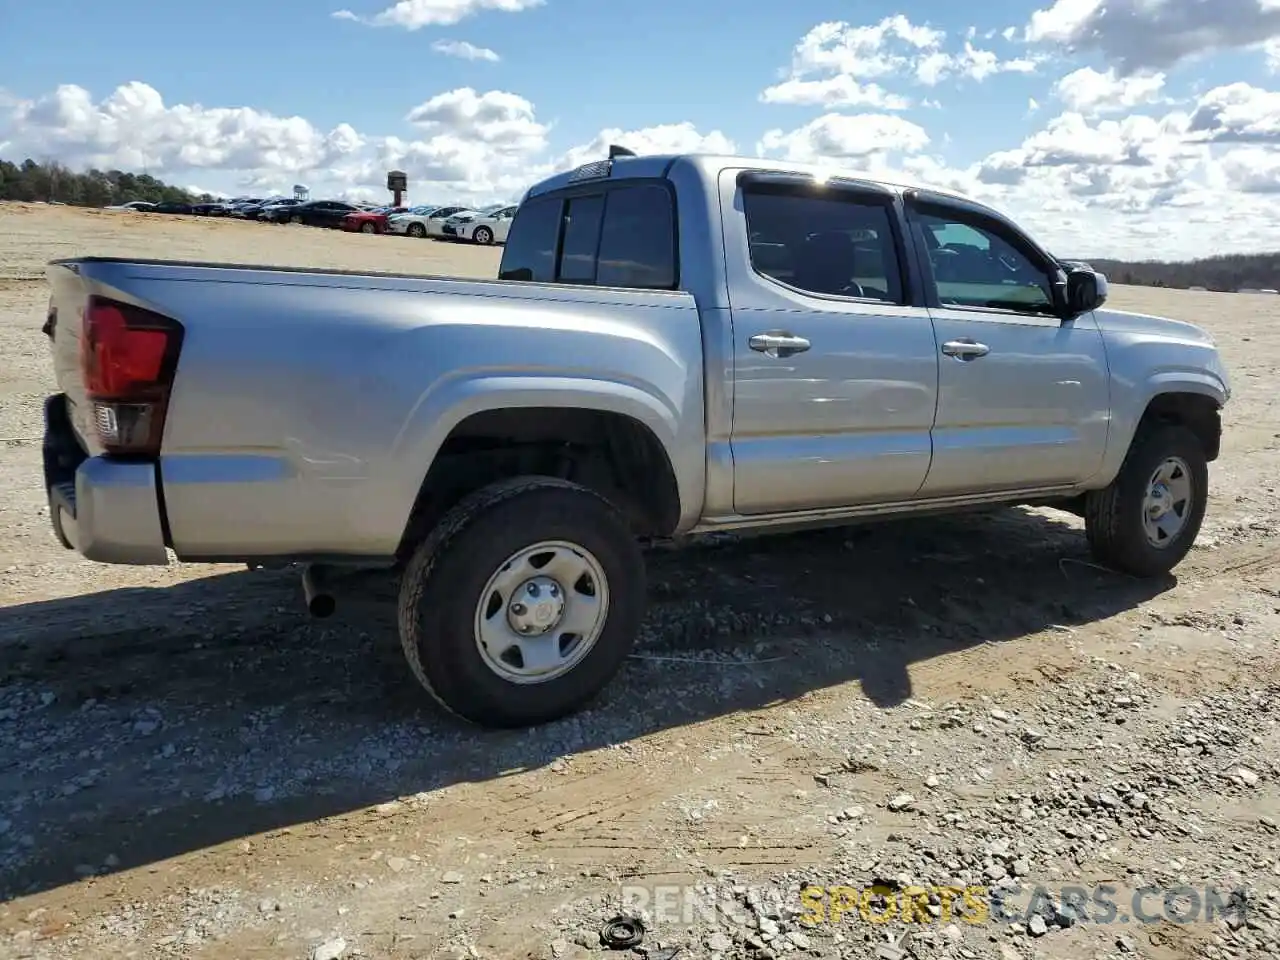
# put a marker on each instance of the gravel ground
(191, 768)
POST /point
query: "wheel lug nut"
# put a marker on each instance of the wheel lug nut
(533, 589)
(519, 609)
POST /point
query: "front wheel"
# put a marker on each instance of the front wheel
(521, 605)
(1147, 520)
(417, 231)
(368, 228)
(484, 236)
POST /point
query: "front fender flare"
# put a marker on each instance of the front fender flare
(1123, 428)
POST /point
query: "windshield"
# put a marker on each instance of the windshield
(493, 208)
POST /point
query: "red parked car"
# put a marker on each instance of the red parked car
(365, 221)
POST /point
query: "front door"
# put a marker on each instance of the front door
(834, 374)
(1022, 393)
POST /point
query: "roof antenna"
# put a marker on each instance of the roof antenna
(617, 151)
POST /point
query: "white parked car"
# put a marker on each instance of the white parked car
(133, 206)
(487, 227)
(413, 223)
(435, 223)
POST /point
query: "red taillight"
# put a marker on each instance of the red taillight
(128, 356)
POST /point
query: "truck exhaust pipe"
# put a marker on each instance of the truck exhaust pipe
(315, 588)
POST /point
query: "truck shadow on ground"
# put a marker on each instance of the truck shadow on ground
(141, 724)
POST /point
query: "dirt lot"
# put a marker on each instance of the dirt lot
(191, 768)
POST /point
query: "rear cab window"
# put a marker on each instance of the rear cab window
(619, 234)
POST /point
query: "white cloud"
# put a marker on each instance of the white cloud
(501, 121)
(838, 91)
(843, 137)
(970, 63)
(416, 14)
(1272, 51)
(1252, 170)
(464, 50)
(134, 128)
(1154, 34)
(1237, 113)
(837, 64)
(878, 50)
(1090, 92)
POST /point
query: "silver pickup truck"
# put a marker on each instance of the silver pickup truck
(674, 345)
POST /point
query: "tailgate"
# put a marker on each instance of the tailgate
(69, 294)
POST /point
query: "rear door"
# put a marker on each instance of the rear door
(1023, 396)
(835, 368)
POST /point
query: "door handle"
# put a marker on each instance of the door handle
(965, 349)
(778, 344)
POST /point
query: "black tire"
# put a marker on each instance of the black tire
(416, 230)
(368, 228)
(1114, 515)
(483, 236)
(295, 219)
(443, 583)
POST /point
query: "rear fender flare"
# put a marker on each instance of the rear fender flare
(451, 401)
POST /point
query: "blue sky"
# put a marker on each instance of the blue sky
(585, 66)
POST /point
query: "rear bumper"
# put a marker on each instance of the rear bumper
(107, 510)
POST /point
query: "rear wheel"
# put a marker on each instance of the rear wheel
(521, 605)
(483, 235)
(1147, 520)
(417, 230)
(295, 219)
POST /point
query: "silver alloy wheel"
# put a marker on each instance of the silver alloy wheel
(1167, 503)
(542, 612)
(483, 235)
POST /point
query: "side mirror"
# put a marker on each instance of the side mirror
(1086, 290)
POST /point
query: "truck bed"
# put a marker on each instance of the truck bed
(317, 399)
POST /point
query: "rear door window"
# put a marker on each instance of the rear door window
(832, 246)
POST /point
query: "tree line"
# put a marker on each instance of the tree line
(52, 182)
(1226, 272)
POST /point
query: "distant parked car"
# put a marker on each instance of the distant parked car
(171, 206)
(365, 221)
(253, 203)
(487, 227)
(435, 222)
(133, 206)
(313, 213)
(254, 211)
(225, 208)
(412, 222)
(211, 208)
